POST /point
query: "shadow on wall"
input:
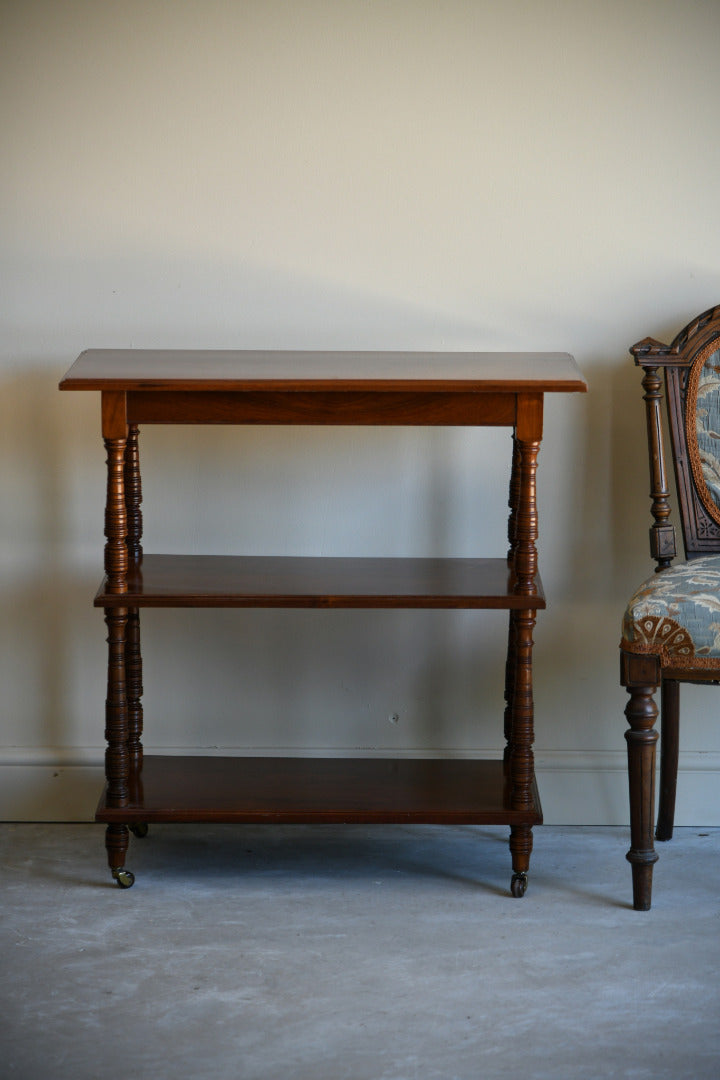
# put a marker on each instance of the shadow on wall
(613, 483)
(52, 476)
(305, 681)
(331, 680)
(185, 299)
(43, 623)
(606, 492)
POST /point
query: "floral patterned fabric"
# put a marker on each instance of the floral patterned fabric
(676, 615)
(707, 424)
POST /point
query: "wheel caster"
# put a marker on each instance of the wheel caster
(518, 885)
(140, 830)
(124, 878)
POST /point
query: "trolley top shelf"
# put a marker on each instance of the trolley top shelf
(133, 370)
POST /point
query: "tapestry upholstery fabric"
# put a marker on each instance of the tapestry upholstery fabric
(707, 422)
(676, 615)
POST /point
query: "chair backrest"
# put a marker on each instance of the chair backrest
(691, 365)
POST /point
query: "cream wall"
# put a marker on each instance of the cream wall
(455, 175)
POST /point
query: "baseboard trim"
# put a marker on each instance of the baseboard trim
(576, 787)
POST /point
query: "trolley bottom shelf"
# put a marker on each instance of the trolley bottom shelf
(306, 790)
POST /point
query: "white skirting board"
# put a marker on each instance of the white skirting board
(576, 788)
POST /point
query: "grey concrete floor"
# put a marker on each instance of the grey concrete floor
(366, 953)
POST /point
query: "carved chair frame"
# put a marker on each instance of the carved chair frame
(681, 363)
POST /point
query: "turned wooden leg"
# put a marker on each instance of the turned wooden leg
(133, 494)
(524, 550)
(510, 665)
(133, 655)
(134, 689)
(116, 557)
(522, 765)
(669, 750)
(521, 844)
(513, 503)
(641, 713)
(117, 755)
(117, 838)
(523, 533)
(117, 758)
(116, 729)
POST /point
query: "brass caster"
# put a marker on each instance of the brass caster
(518, 885)
(124, 878)
(140, 830)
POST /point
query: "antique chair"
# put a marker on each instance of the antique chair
(671, 627)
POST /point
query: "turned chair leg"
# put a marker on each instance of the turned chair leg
(641, 713)
(669, 744)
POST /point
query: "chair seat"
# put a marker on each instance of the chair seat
(675, 614)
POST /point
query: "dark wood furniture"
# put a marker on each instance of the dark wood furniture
(665, 651)
(146, 387)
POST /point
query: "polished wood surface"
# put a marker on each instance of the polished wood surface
(307, 790)
(290, 371)
(337, 407)
(284, 581)
(379, 388)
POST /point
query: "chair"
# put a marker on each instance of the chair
(671, 626)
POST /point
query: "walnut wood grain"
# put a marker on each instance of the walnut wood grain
(290, 371)
(334, 582)
(307, 790)
(338, 407)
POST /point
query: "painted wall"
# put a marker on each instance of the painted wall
(457, 175)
